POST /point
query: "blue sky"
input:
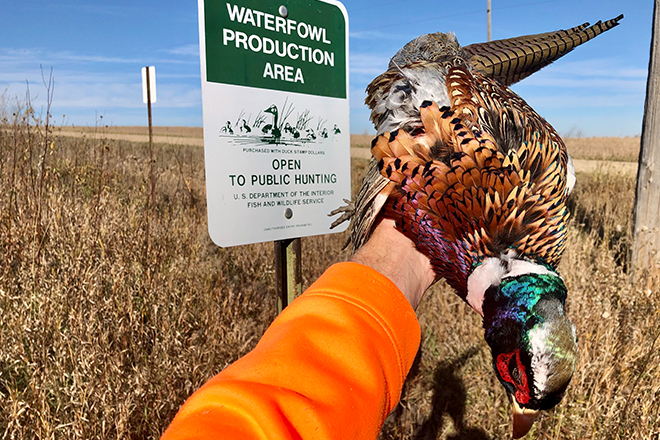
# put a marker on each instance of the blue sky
(96, 50)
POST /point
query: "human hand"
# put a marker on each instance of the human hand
(394, 255)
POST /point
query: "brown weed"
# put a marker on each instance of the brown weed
(115, 309)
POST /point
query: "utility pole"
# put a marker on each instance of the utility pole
(488, 14)
(646, 218)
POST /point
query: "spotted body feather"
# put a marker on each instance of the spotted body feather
(463, 193)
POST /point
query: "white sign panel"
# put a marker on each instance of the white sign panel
(276, 117)
(152, 84)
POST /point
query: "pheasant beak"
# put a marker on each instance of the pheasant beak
(523, 419)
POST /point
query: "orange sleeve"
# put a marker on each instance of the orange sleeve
(331, 366)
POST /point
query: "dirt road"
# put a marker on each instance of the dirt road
(132, 137)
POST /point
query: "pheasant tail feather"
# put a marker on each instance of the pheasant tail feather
(514, 59)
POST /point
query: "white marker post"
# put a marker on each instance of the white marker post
(276, 122)
(149, 91)
(149, 96)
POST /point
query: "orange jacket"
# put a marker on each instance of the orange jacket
(331, 366)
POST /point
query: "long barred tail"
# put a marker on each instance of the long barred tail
(514, 59)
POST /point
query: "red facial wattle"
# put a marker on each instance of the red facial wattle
(520, 383)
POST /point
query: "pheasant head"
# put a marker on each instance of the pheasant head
(533, 343)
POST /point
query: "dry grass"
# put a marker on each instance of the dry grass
(116, 305)
(619, 149)
(361, 140)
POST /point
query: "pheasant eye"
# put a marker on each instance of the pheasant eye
(505, 363)
(514, 371)
(510, 368)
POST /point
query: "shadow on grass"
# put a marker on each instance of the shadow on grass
(590, 222)
(449, 397)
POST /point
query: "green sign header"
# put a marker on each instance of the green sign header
(295, 46)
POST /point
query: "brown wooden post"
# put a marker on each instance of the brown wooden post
(288, 271)
(646, 217)
(152, 179)
(149, 110)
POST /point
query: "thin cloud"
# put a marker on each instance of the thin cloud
(587, 78)
(186, 50)
(375, 35)
(104, 9)
(573, 102)
(98, 91)
(368, 64)
(30, 55)
(564, 82)
(68, 56)
(27, 57)
(179, 96)
(95, 95)
(599, 67)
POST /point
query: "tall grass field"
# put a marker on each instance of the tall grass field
(115, 305)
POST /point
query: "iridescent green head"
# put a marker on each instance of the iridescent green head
(533, 343)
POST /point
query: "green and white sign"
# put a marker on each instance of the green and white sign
(276, 117)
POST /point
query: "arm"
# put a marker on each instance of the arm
(392, 254)
(331, 366)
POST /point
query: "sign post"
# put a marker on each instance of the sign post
(288, 271)
(276, 120)
(149, 92)
(149, 96)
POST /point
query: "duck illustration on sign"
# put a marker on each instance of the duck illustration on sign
(273, 125)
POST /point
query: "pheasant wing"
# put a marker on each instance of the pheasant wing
(483, 200)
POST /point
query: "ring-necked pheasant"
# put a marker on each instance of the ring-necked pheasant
(478, 180)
